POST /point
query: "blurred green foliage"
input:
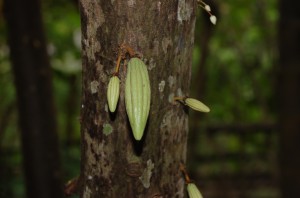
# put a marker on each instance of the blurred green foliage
(62, 28)
(241, 64)
(239, 85)
(240, 74)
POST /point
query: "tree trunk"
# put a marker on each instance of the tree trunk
(289, 95)
(35, 101)
(113, 163)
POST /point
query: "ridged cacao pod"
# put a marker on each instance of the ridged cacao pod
(113, 92)
(196, 105)
(193, 191)
(137, 96)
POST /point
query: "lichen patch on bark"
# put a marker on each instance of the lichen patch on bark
(131, 3)
(87, 192)
(171, 81)
(146, 176)
(107, 129)
(161, 86)
(171, 98)
(179, 92)
(152, 64)
(166, 42)
(94, 87)
(180, 187)
(184, 11)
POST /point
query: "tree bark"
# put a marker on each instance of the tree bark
(113, 163)
(289, 96)
(35, 101)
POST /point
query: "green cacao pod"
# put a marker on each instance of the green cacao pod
(196, 105)
(137, 96)
(193, 191)
(113, 92)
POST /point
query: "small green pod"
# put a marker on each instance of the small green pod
(193, 191)
(113, 92)
(137, 96)
(196, 105)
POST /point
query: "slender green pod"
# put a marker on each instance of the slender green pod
(193, 191)
(196, 105)
(137, 96)
(113, 92)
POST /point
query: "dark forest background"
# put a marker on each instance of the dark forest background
(246, 69)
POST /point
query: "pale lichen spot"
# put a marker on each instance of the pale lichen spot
(94, 86)
(98, 148)
(171, 98)
(167, 120)
(152, 64)
(180, 187)
(158, 6)
(87, 192)
(179, 92)
(147, 173)
(161, 86)
(90, 177)
(172, 81)
(85, 42)
(166, 42)
(107, 129)
(184, 11)
(171, 121)
(106, 108)
(131, 3)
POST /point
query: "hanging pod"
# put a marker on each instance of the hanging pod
(137, 96)
(193, 191)
(113, 92)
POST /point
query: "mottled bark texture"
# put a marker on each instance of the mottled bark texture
(289, 96)
(113, 163)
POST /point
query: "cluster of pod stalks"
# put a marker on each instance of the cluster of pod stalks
(206, 7)
(197, 105)
(137, 93)
(191, 102)
(138, 96)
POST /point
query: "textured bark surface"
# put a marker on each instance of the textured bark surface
(113, 163)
